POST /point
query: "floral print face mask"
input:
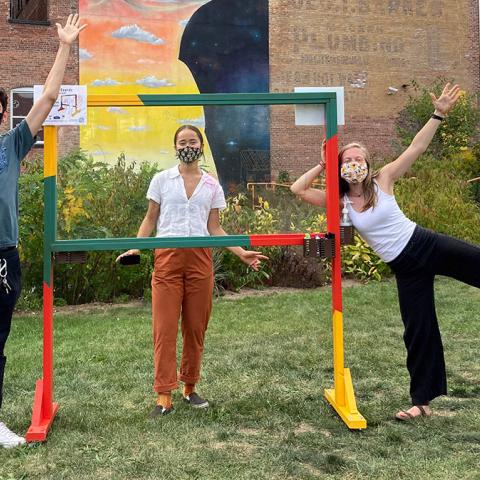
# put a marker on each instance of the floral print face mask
(189, 154)
(354, 172)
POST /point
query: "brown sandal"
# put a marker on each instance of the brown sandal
(409, 417)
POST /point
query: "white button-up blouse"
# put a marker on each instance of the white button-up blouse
(180, 216)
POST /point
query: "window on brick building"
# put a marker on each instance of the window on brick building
(21, 101)
(29, 11)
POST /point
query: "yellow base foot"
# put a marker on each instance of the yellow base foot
(353, 420)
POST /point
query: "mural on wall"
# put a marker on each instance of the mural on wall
(175, 46)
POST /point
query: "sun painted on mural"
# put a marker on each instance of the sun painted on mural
(132, 47)
(174, 46)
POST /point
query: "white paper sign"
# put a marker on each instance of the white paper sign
(315, 114)
(70, 107)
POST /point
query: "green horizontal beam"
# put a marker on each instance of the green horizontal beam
(236, 99)
(85, 245)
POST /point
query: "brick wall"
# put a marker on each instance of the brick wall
(28, 52)
(365, 46)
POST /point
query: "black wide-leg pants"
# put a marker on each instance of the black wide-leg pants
(428, 254)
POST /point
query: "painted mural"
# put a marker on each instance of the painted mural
(176, 46)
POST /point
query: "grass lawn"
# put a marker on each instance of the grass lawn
(266, 363)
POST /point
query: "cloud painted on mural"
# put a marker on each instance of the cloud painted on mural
(117, 110)
(196, 122)
(152, 82)
(98, 153)
(134, 32)
(108, 82)
(139, 128)
(146, 61)
(84, 54)
(102, 127)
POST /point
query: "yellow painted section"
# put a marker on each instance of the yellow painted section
(342, 396)
(113, 63)
(113, 100)
(338, 357)
(50, 151)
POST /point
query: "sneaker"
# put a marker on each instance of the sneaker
(8, 439)
(159, 410)
(196, 401)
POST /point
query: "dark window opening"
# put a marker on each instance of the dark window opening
(29, 11)
(21, 102)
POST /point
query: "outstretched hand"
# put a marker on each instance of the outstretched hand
(69, 33)
(253, 259)
(447, 100)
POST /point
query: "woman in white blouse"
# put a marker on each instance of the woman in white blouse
(184, 201)
(415, 254)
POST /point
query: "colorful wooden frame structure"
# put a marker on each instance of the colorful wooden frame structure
(341, 396)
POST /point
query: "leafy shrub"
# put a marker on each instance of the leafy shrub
(437, 197)
(361, 262)
(456, 132)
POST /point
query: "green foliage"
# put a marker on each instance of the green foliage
(95, 200)
(437, 195)
(455, 133)
(361, 262)
(98, 200)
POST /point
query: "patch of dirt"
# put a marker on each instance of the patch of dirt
(227, 294)
(304, 428)
(252, 292)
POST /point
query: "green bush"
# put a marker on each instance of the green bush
(456, 132)
(361, 262)
(437, 196)
(95, 200)
(99, 200)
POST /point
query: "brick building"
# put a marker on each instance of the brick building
(374, 48)
(366, 46)
(28, 36)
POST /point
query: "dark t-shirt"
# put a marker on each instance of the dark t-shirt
(14, 145)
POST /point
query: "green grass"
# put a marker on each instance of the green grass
(266, 363)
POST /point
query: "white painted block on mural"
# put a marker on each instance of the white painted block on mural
(315, 114)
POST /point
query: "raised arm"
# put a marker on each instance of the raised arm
(41, 108)
(303, 185)
(396, 169)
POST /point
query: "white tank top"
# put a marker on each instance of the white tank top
(384, 227)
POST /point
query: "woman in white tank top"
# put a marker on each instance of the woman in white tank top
(415, 254)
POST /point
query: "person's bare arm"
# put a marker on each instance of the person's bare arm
(396, 169)
(41, 108)
(251, 258)
(146, 228)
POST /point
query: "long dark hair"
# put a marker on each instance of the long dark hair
(367, 185)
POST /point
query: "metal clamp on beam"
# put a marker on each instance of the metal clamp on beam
(319, 247)
(71, 257)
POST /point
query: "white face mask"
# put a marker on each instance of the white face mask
(354, 172)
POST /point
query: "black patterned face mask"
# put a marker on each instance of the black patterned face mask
(189, 154)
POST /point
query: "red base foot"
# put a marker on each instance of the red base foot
(42, 417)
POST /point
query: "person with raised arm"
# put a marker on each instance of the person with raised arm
(14, 145)
(416, 255)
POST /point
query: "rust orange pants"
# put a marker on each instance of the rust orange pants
(182, 285)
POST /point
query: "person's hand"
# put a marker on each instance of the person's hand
(127, 253)
(447, 100)
(69, 33)
(252, 259)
